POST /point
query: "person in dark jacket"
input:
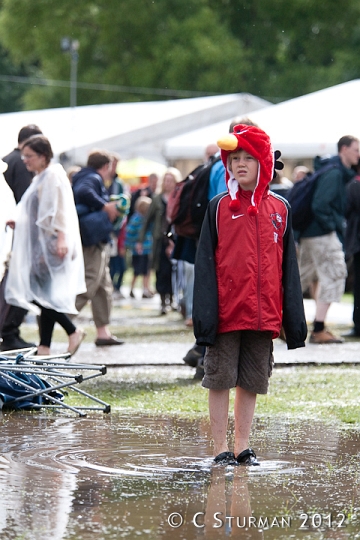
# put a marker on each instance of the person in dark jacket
(17, 175)
(89, 191)
(147, 191)
(321, 253)
(19, 179)
(352, 244)
(155, 220)
(247, 287)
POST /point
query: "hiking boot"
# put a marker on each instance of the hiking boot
(199, 372)
(193, 355)
(324, 337)
(14, 343)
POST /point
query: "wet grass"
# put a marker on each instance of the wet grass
(326, 393)
(329, 393)
(317, 392)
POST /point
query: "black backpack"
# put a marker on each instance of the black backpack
(188, 202)
(300, 197)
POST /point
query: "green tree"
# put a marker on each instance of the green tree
(295, 47)
(162, 44)
(11, 91)
(274, 49)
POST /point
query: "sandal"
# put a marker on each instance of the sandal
(225, 458)
(80, 336)
(247, 457)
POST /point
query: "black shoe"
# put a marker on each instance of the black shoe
(247, 457)
(15, 343)
(108, 342)
(353, 333)
(225, 458)
(193, 355)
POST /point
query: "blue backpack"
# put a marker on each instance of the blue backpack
(300, 197)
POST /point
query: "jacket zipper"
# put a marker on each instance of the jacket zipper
(259, 272)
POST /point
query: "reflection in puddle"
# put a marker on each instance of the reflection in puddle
(119, 476)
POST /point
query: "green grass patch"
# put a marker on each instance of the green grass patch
(321, 392)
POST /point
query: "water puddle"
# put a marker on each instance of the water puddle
(120, 476)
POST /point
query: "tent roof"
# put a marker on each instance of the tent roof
(303, 127)
(123, 127)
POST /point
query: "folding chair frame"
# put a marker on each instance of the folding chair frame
(57, 372)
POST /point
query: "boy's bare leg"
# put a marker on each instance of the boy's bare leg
(219, 411)
(244, 408)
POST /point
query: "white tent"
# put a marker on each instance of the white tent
(303, 127)
(131, 129)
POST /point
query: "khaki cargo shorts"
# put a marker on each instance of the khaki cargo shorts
(243, 358)
(322, 259)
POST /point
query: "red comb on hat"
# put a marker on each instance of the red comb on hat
(256, 143)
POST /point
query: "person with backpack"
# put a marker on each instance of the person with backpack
(90, 193)
(247, 286)
(203, 184)
(321, 253)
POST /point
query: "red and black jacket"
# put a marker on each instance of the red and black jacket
(246, 272)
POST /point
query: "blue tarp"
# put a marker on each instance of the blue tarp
(15, 388)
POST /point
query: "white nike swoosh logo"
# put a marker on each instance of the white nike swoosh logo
(235, 217)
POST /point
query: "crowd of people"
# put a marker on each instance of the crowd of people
(323, 249)
(72, 231)
(243, 280)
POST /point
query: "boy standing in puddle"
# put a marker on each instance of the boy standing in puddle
(247, 287)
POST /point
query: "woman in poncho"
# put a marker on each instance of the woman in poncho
(46, 268)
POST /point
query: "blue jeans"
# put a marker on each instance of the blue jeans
(117, 268)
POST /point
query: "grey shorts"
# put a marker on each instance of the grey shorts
(322, 259)
(243, 358)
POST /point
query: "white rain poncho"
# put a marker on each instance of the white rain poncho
(7, 209)
(36, 272)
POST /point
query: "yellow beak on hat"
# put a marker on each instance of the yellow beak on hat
(228, 142)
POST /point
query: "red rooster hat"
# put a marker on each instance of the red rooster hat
(256, 143)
